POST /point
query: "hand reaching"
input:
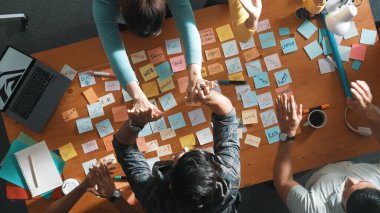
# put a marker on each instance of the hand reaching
(253, 8)
(143, 112)
(102, 175)
(288, 114)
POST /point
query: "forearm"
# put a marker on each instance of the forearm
(282, 170)
(125, 135)
(123, 206)
(218, 103)
(135, 91)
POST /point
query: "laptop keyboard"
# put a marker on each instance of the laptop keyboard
(31, 93)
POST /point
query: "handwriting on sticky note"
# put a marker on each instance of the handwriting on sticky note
(104, 128)
(107, 140)
(236, 76)
(150, 89)
(247, 45)
(67, 151)
(167, 101)
(249, 116)
(163, 70)
(213, 53)
(84, 125)
(147, 130)
(233, 65)
(176, 121)
(183, 82)
(112, 86)
(119, 113)
(148, 72)
(90, 95)
(207, 36)
(284, 90)
(283, 77)
(251, 54)
(241, 90)
(178, 63)
(156, 55)
(109, 159)
(89, 146)
(261, 80)
(196, 117)
(158, 125)
(68, 72)
(252, 140)
(95, 110)
(167, 134)
(164, 150)
(265, 100)
(253, 67)
(249, 99)
(224, 33)
(86, 79)
(288, 45)
(87, 165)
(263, 25)
(138, 57)
(173, 46)
(215, 68)
(204, 136)
(267, 40)
(268, 118)
(69, 114)
(273, 134)
(107, 99)
(230, 48)
(152, 146)
(166, 84)
(272, 62)
(188, 141)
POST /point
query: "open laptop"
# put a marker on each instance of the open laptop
(29, 89)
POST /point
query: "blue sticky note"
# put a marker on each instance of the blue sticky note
(261, 80)
(84, 125)
(283, 77)
(344, 52)
(173, 46)
(196, 117)
(326, 47)
(249, 99)
(273, 134)
(321, 34)
(145, 131)
(176, 121)
(284, 31)
(288, 45)
(368, 37)
(167, 101)
(253, 68)
(104, 128)
(267, 40)
(307, 29)
(164, 70)
(313, 50)
(230, 48)
(158, 125)
(356, 65)
(233, 65)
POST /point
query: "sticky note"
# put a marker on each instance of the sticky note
(163, 70)
(338, 39)
(230, 48)
(178, 63)
(158, 126)
(109, 159)
(167, 134)
(326, 47)
(248, 44)
(119, 113)
(204, 136)
(272, 62)
(188, 141)
(141, 145)
(358, 52)
(183, 82)
(89, 146)
(86, 79)
(241, 90)
(233, 65)
(70, 114)
(288, 45)
(325, 66)
(284, 31)
(104, 128)
(88, 165)
(263, 25)
(217, 87)
(267, 40)
(283, 77)
(224, 33)
(67, 151)
(268, 118)
(322, 33)
(213, 54)
(156, 55)
(90, 95)
(167, 101)
(344, 52)
(196, 117)
(313, 49)
(176, 121)
(236, 76)
(203, 71)
(352, 32)
(356, 65)
(147, 130)
(166, 84)
(252, 140)
(265, 100)
(207, 36)
(108, 142)
(273, 134)
(215, 68)
(95, 110)
(253, 67)
(249, 116)
(107, 99)
(173, 46)
(261, 80)
(164, 150)
(284, 90)
(84, 125)
(148, 72)
(249, 99)
(251, 54)
(68, 72)
(150, 89)
(112, 86)
(126, 96)
(138, 57)
(307, 29)
(152, 146)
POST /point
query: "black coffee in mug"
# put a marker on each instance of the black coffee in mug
(317, 118)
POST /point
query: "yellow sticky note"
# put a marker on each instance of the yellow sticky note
(150, 89)
(249, 116)
(203, 71)
(90, 95)
(236, 76)
(67, 151)
(166, 84)
(148, 72)
(188, 141)
(224, 33)
(69, 114)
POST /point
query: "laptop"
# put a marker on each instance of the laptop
(29, 90)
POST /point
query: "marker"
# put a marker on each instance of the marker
(95, 73)
(34, 175)
(120, 177)
(323, 106)
(232, 82)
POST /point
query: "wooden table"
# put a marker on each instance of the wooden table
(313, 148)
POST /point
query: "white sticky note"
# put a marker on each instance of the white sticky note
(90, 146)
(86, 79)
(152, 146)
(89, 164)
(167, 134)
(272, 62)
(164, 150)
(107, 99)
(352, 32)
(204, 136)
(109, 158)
(68, 72)
(112, 86)
(265, 100)
(268, 118)
(325, 66)
(95, 110)
(138, 57)
(263, 25)
(230, 48)
(252, 140)
(248, 45)
(344, 52)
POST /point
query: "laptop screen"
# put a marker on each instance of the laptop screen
(13, 65)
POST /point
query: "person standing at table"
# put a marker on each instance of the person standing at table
(338, 187)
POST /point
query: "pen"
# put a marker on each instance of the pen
(120, 177)
(32, 170)
(232, 82)
(101, 73)
(323, 106)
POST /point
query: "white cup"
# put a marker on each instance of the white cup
(316, 119)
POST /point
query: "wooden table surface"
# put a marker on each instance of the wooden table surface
(312, 148)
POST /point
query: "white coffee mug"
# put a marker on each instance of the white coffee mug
(316, 119)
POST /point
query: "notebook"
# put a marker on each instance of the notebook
(38, 168)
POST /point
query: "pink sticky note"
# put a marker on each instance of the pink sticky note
(183, 82)
(156, 55)
(178, 63)
(358, 52)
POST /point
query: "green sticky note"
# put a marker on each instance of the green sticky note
(356, 65)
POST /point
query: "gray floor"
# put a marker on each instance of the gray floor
(54, 23)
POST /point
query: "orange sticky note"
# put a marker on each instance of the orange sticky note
(90, 95)
(119, 113)
(165, 84)
(251, 54)
(156, 55)
(148, 72)
(358, 52)
(188, 141)
(183, 82)
(215, 68)
(284, 90)
(70, 114)
(236, 76)
(224, 33)
(108, 142)
(140, 142)
(213, 53)
(207, 36)
(178, 63)
(204, 71)
(249, 116)
(150, 89)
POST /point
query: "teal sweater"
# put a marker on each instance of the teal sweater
(106, 13)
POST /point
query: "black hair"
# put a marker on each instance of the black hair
(364, 200)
